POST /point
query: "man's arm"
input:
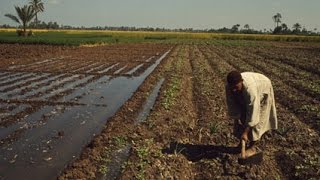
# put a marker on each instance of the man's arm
(252, 112)
(252, 108)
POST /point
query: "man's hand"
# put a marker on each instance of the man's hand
(245, 134)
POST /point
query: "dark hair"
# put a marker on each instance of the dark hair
(234, 77)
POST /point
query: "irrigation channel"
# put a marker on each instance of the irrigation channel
(45, 128)
(120, 156)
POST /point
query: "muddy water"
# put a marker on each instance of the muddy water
(119, 157)
(150, 102)
(134, 69)
(55, 134)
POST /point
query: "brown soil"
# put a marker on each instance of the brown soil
(188, 134)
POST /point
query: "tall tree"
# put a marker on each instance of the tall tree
(25, 15)
(277, 19)
(235, 28)
(296, 27)
(246, 26)
(284, 26)
(37, 7)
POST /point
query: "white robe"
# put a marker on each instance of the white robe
(259, 104)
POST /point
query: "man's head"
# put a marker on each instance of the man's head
(235, 81)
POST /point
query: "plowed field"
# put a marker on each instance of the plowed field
(187, 135)
(53, 100)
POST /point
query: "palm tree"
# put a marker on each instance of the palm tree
(37, 6)
(277, 19)
(25, 15)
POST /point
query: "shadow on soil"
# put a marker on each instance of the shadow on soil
(197, 152)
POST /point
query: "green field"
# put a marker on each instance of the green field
(86, 37)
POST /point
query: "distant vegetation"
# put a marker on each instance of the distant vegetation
(97, 37)
(27, 17)
(296, 28)
(236, 29)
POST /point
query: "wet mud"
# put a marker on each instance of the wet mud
(52, 108)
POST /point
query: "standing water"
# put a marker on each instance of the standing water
(55, 134)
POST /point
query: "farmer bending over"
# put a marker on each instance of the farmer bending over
(251, 104)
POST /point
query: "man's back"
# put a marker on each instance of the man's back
(256, 83)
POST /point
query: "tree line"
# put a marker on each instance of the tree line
(29, 12)
(282, 28)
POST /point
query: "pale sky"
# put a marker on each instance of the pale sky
(197, 14)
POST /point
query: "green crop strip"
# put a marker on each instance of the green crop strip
(85, 37)
(143, 152)
(175, 82)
